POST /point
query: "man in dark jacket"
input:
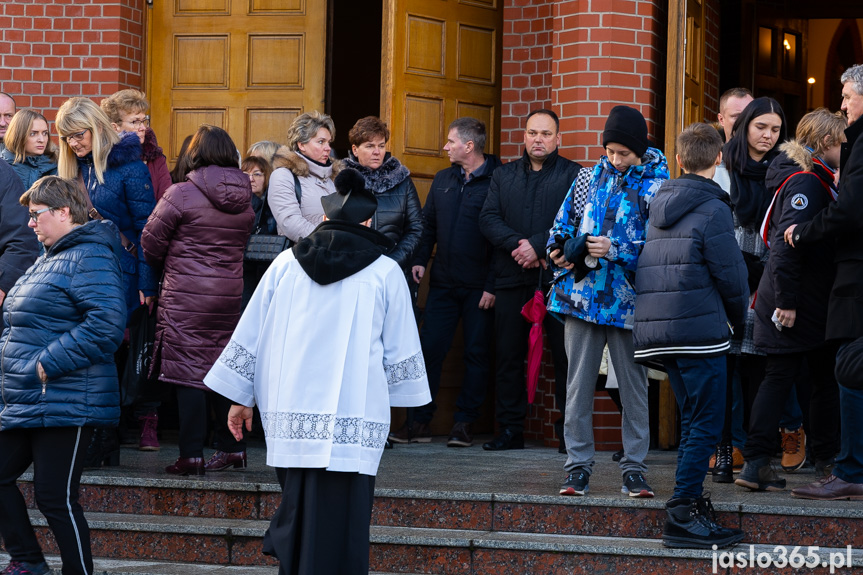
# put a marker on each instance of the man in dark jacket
(841, 220)
(18, 245)
(461, 286)
(523, 198)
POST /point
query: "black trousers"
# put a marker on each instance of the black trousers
(322, 524)
(57, 455)
(818, 395)
(194, 417)
(511, 335)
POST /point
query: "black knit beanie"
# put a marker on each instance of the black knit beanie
(626, 126)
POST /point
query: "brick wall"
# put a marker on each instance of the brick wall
(55, 49)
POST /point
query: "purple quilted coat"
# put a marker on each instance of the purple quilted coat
(197, 235)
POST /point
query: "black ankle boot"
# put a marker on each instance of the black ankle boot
(723, 470)
(104, 449)
(691, 524)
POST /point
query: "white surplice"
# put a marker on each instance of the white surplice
(324, 363)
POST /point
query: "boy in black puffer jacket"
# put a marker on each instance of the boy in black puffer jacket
(691, 288)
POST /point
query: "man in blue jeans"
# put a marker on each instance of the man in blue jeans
(841, 220)
(462, 284)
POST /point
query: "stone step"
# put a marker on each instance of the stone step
(602, 516)
(132, 567)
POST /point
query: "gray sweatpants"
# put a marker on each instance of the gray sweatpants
(584, 344)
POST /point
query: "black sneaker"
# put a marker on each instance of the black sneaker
(576, 484)
(634, 485)
(759, 475)
(618, 455)
(691, 524)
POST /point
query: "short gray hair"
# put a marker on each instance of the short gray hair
(470, 130)
(305, 126)
(854, 74)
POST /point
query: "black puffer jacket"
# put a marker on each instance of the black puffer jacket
(522, 204)
(399, 215)
(691, 278)
(451, 220)
(795, 278)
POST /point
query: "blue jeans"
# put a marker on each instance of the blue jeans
(699, 387)
(444, 308)
(849, 464)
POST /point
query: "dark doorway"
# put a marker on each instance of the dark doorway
(354, 65)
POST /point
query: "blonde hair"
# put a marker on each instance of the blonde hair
(264, 149)
(78, 114)
(818, 125)
(124, 102)
(18, 132)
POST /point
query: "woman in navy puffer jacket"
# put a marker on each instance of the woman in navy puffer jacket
(109, 166)
(62, 322)
(198, 233)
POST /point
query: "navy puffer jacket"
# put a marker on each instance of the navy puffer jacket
(126, 198)
(32, 168)
(691, 278)
(66, 312)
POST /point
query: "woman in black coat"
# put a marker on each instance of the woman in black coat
(399, 213)
(791, 307)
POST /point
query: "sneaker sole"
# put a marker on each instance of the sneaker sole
(752, 486)
(572, 491)
(420, 440)
(398, 440)
(457, 443)
(685, 543)
(793, 468)
(644, 493)
(149, 448)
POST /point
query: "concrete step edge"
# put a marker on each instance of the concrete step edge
(166, 524)
(138, 567)
(573, 543)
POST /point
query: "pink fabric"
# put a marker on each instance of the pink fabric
(534, 312)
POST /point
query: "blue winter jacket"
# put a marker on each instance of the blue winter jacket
(616, 207)
(66, 312)
(126, 198)
(691, 280)
(32, 168)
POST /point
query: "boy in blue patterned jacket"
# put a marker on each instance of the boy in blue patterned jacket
(606, 209)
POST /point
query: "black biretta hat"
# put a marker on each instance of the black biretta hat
(352, 202)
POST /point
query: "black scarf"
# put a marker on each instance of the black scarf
(749, 193)
(336, 250)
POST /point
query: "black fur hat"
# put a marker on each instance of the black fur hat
(352, 202)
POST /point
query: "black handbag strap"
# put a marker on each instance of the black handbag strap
(298, 189)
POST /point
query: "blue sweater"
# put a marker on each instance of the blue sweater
(66, 312)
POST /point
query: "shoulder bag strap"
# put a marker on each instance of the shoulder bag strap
(298, 189)
(95, 215)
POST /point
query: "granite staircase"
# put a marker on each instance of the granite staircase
(154, 525)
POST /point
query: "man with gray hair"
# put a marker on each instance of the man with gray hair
(841, 221)
(461, 284)
(7, 110)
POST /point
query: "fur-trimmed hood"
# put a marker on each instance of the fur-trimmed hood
(303, 167)
(127, 150)
(390, 174)
(798, 154)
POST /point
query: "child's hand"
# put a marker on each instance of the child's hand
(598, 246)
(559, 260)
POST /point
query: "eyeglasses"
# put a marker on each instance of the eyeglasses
(35, 215)
(145, 121)
(256, 174)
(77, 137)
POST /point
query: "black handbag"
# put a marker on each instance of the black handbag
(265, 247)
(136, 382)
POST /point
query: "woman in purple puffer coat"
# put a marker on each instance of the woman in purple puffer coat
(197, 235)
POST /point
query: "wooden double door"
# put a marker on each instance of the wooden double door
(251, 66)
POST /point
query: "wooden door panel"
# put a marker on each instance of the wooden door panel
(248, 66)
(441, 61)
